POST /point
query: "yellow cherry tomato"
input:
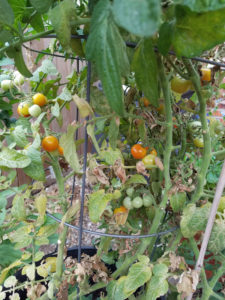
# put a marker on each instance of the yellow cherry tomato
(149, 161)
(199, 142)
(23, 109)
(153, 152)
(39, 99)
(206, 74)
(180, 85)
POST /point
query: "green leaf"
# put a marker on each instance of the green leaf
(99, 102)
(8, 254)
(116, 289)
(194, 219)
(35, 169)
(69, 148)
(138, 275)
(97, 204)
(17, 55)
(91, 133)
(177, 201)
(13, 159)
(61, 17)
(19, 136)
(156, 288)
(217, 238)
(47, 230)
(18, 208)
(165, 37)
(47, 67)
(197, 32)
(141, 18)
(110, 156)
(113, 132)
(136, 179)
(37, 23)
(6, 13)
(107, 49)
(65, 95)
(55, 110)
(160, 270)
(145, 67)
(202, 5)
(41, 6)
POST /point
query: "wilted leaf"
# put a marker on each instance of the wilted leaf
(5, 271)
(91, 133)
(119, 170)
(188, 282)
(83, 106)
(69, 148)
(159, 163)
(140, 167)
(194, 219)
(100, 175)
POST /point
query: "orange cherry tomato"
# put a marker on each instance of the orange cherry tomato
(39, 99)
(50, 143)
(120, 210)
(138, 152)
(153, 152)
(145, 101)
(206, 74)
(60, 149)
(161, 109)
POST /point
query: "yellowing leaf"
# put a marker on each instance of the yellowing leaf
(83, 106)
(5, 271)
(97, 204)
(40, 204)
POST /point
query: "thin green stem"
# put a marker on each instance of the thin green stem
(219, 273)
(205, 131)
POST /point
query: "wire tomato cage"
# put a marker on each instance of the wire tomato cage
(80, 228)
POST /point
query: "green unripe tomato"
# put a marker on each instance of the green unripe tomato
(130, 191)
(150, 211)
(137, 202)
(18, 78)
(34, 110)
(116, 194)
(6, 84)
(127, 203)
(147, 200)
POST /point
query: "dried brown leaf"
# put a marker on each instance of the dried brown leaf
(159, 163)
(140, 167)
(176, 262)
(188, 282)
(100, 175)
(119, 170)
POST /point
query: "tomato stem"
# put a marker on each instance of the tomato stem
(205, 130)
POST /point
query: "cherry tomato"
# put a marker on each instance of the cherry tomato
(194, 126)
(127, 203)
(6, 84)
(60, 149)
(180, 85)
(34, 110)
(137, 202)
(116, 194)
(149, 161)
(138, 152)
(18, 78)
(23, 109)
(199, 142)
(161, 109)
(221, 206)
(120, 210)
(147, 200)
(130, 191)
(206, 74)
(39, 99)
(50, 143)
(153, 152)
(174, 120)
(145, 101)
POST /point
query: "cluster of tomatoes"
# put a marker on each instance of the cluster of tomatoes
(17, 80)
(140, 152)
(130, 202)
(27, 108)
